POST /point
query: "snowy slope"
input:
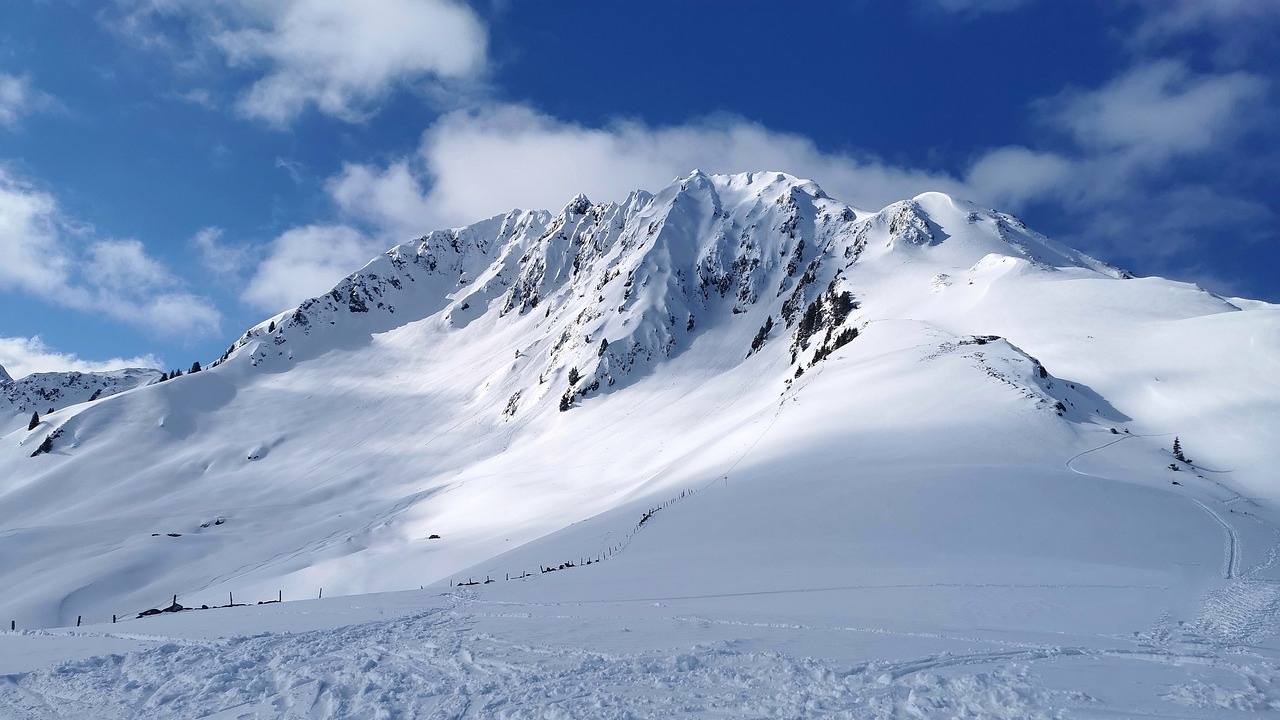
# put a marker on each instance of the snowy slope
(927, 422)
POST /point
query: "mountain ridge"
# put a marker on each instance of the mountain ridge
(536, 257)
(502, 383)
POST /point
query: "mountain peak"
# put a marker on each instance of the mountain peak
(5, 379)
(579, 205)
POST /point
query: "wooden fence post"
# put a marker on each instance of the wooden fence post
(279, 596)
(113, 619)
(78, 618)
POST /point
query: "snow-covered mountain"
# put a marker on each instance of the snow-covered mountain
(41, 392)
(811, 396)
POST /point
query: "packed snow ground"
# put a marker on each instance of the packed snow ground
(932, 521)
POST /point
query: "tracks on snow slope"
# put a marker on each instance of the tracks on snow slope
(1247, 608)
(438, 664)
(1232, 550)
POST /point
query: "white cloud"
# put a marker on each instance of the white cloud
(50, 256)
(389, 198)
(21, 356)
(18, 98)
(308, 261)
(221, 259)
(343, 58)
(123, 265)
(1123, 136)
(1158, 110)
(480, 163)
(1235, 23)
(1012, 176)
(30, 228)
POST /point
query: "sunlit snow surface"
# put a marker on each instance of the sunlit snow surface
(910, 528)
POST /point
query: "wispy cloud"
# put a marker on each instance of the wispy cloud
(18, 98)
(972, 7)
(223, 260)
(295, 168)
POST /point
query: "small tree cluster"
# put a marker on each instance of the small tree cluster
(1177, 451)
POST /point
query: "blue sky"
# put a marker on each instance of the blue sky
(172, 171)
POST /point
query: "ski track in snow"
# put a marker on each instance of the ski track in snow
(437, 663)
(434, 664)
(1246, 609)
(1231, 553)
(1232, 550)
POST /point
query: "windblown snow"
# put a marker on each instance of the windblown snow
(731, 449)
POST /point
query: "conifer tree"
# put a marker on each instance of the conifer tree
(35, 420)
(1177, 450)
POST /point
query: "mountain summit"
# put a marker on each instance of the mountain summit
(615, 288)
(487, 397)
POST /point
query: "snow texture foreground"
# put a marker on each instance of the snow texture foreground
(465, 659)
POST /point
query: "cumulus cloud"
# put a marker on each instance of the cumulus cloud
(48, 255)
(1013, 176)
(391, 199)
(341, 58)
(22, 356)
(30, 231)
(308, 261)
(479, 163)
